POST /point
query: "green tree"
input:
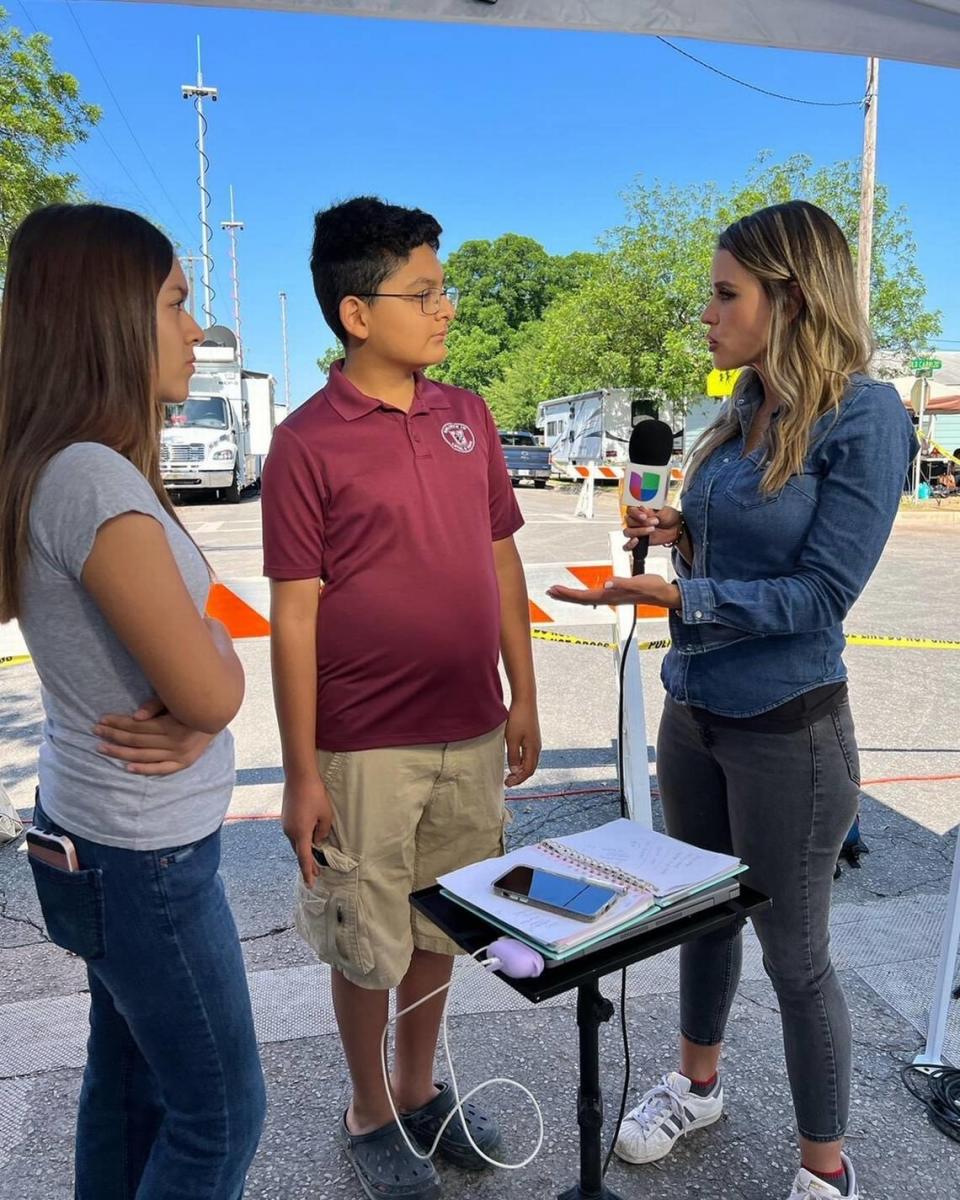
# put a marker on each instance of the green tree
(513, 397)
(634, 320)
(330, 356)
(41, 116)
(505, 285)
(899, 320)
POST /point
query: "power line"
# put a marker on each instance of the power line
(123, 116)
(123, 167)
(763, 91)
(23, 9)
(66, 151)
(106, 142)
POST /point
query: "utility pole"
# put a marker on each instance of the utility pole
(286, 360)
(233, 227)
(198, 93)
(868, 175)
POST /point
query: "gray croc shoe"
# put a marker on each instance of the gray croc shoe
(386, 1168)
(423, 1123)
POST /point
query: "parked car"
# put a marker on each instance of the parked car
(525, 458)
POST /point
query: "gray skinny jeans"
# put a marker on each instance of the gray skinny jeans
(782, 802)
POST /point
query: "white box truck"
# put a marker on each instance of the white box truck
(218, 438)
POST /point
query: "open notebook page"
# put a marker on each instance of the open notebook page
(671, 867)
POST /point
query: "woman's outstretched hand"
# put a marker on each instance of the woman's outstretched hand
(638, 589)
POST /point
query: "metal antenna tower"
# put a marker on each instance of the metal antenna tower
(188, 261)
(286, 360)
(233, 227)
(198, 93)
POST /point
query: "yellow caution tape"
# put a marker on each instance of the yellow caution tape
(905, 643)
(545, 635)
(569, 639)
(853, 639)
(945, 453)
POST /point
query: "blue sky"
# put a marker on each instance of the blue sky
(494, 130)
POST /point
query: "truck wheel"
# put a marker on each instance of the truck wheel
(232, 493)
(540, 484)
(515, 482)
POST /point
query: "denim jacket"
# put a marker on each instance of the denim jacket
(773, 576)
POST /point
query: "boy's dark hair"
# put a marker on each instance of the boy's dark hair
(357, 244)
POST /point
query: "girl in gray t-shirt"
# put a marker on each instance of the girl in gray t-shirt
(136, 764)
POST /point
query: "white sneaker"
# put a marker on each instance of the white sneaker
(664, 1113)
(811, 1187)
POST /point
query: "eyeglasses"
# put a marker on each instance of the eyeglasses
(430, 299)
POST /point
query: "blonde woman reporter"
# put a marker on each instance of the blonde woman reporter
(788, 501)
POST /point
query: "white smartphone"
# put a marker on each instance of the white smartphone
(54, 849)
(582, 899)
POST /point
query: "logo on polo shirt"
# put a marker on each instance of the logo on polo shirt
(458, 436)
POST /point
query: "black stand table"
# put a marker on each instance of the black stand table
(472, 933)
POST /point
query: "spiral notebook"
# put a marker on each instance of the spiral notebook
(631, 853)
(653, 870)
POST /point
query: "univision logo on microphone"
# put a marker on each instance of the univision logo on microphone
(645, 485)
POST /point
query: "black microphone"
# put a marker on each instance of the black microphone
(647, 475)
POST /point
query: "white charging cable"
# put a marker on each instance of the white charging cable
(458, 1102)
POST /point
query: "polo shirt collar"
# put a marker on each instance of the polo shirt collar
(350, 403)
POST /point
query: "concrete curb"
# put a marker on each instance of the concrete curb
(950, 516)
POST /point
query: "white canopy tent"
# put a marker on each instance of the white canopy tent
(922, 31)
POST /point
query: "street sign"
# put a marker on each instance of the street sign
(925, 364)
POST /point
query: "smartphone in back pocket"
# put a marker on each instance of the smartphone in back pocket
(54, 849)
(71, 897)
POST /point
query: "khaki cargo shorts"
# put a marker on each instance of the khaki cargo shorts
(402, 816)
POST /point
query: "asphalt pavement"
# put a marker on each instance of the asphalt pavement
(886, 922)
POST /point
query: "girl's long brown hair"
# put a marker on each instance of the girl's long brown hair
(78, 356)
(800, 255)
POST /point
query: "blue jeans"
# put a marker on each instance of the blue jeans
(173, 1099)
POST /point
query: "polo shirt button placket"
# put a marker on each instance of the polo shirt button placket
(416, 440)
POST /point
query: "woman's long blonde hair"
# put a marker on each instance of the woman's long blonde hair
(800, 256)
(78, 356)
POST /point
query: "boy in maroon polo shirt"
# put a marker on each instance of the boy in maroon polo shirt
(391, 491)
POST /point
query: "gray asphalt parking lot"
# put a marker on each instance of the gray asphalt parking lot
(886, 921)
